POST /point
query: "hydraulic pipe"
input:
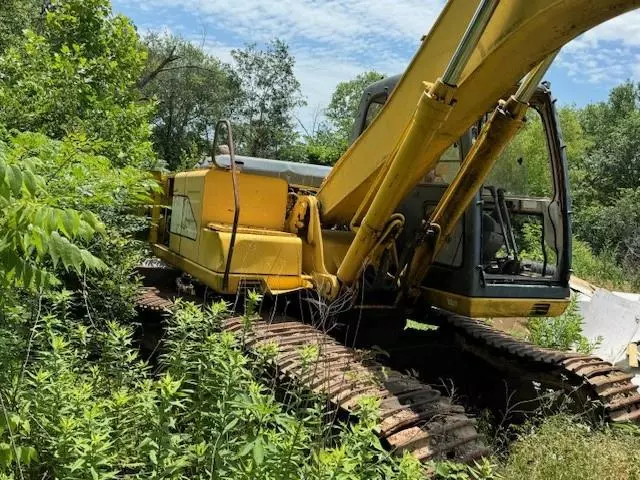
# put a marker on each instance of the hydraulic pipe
(530, 82)
(469, 41)
(429, 115)
(496, 134)
(434, 106)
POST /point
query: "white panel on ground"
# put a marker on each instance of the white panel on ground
(613, 318)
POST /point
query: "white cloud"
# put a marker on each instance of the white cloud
(332, 40)
(607, 54)
(355, 25)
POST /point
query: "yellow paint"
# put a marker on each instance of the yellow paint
(632, 352)
(336, 243)
(253, 254)
(313, 251)
(263, 200)
(262, 250)
(270, 283)
(479, 307)
(433, 109)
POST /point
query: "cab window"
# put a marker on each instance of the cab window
(446, 168)
(373, 110)
(524, 167)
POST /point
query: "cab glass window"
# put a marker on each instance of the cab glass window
(524, 167)
(372, 112)
(446, 168)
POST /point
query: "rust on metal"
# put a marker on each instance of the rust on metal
(150, 298)
(603, 382)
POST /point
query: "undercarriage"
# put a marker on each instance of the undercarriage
(421, 377)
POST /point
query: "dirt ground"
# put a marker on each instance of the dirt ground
(516, 326)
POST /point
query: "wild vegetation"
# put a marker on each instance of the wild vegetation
(87, 107)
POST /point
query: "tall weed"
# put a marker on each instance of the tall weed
(88, 407)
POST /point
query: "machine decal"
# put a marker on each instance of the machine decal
(183, 222)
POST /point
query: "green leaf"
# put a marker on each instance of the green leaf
(77, 465)
(258, 451)
(10, 260)
(60, 222)
(246, 449)
(40, 219)
(153, 457)
(27, 275)
(19, 268)
(17, 451)
(30, 182)
(71, 222)
(29, 454)
(9, 179)
(53, 248)
(230, 426)
(93, 221)
(92, 262)
(37, 239)
(16, 179)
(6, 455)
(4, 191)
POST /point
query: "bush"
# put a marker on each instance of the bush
(614, 231)
(602, 269)
(561, 333)
(86, 406)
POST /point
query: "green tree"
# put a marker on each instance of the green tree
(193, 90)
(614, 227)
(16, 16)
(343, 108)
(328, 140)
(612, 160)
(269, 95)
(80, 75)
(606, 180)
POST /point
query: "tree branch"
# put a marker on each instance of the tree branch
(188, 67)
(144, 81)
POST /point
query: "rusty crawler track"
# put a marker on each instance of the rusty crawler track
(413, 417)
(586, 376)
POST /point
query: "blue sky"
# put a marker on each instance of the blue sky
(334, 40)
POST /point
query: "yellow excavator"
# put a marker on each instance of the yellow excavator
(425, 216)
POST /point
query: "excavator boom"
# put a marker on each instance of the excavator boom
(520, 35)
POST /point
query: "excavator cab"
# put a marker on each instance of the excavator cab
(509, 255)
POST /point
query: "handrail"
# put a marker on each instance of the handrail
(236, 194)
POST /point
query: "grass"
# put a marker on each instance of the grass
(602, 269)
(421, 326)
(564, 447)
